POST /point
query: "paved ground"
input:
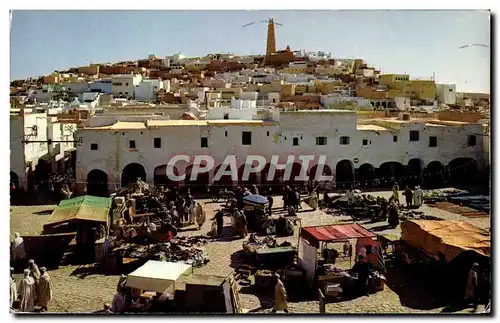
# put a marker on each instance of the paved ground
(74, 294)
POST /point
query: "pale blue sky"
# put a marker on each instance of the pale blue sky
(414, 42)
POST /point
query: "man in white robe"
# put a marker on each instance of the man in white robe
(18, 250)
(13, 288)
(44, 289)
(417, 196)
(27, 293)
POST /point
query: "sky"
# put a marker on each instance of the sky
(418, 43)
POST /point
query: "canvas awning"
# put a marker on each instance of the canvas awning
(332, 233)
(87, 208)
(156, 276)
(448, 237)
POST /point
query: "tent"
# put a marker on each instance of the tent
(333, 233)
(447, 237)
(83, 208)
(313, 239)
(157, 276)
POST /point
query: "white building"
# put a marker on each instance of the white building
(76, 87)
(238, 110)
(124, 85)
(146, 90)
(379, 148)
(446, 93)
(30, 149)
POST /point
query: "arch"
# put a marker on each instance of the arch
(414, 171)
(344, 173)
(276, 182)
(14, 179)
(327, 171)
(434, 174)
(389, 172)
(253, 178)
(132, 172)
(160, 177)
(225, 180)
(365, 174)
(201, 182)
(42, 173)
(97, 183)
(296, 168)
(462, 171)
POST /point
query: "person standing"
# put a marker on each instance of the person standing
(27, 291)
(418, 196)
(395, 192)
(270, 203)
(219, 219)
(44, 289)
(409, 197)
(472, 285)
(362, 267)
(118, 303)
(393, 216)
(280, 303)
(18, 251)
(13, 288)
(297, 199)
(350, 196)
(313, 199)
(34, 271)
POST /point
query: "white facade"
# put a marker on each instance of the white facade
(146, 90)
(402, 103)
(446, 93)
(35, 129)
(124, 85)
(238, 110)
(268, 138)
(339, 100)
(76, 87)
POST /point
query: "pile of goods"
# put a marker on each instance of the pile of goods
(189, 250)
(415, 215)
(255, 243)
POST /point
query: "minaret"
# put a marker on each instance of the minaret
(271, 39)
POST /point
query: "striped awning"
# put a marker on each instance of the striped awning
(332, 233)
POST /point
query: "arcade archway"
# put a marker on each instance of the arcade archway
(131, 173)
(97, 183)
(344, 174)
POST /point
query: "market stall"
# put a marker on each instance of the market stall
(157, 276)
(315, 256)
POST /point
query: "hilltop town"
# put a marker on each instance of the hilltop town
(116, 168)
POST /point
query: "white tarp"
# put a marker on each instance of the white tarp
(308, 256)
(156, 276)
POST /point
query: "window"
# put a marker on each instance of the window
(433, 141)
(295, 141)
(120, 93)
(414, 135)
(471, 140)
(93, 147)
(204, 142)
(344, 140)
(320, 141)
(226, 116)
(268, 133)
(365, 142)
(131, 144)
(450, 90)
(225, 133)
(126, 93)
(246, 138)
(126, 84)
(157, 142)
